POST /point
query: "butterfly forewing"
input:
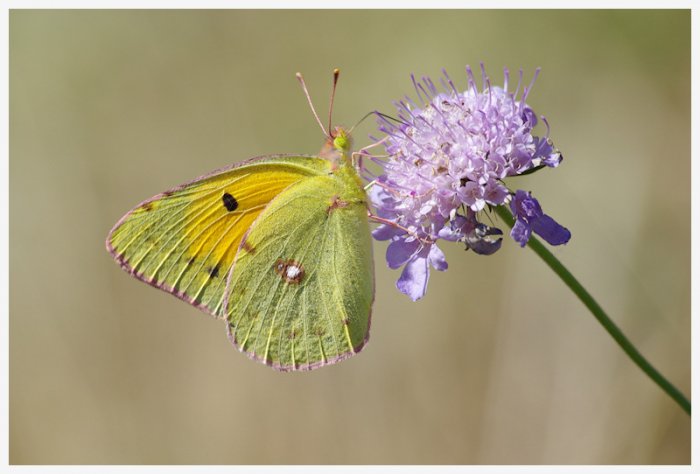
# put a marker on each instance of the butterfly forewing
(301, 289)
(185, 240)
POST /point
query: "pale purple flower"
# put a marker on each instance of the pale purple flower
(448, 157)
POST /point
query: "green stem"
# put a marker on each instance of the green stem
(600, 315)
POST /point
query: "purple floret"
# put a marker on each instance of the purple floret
(530, 218)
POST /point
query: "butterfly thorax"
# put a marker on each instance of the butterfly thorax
(338, 151)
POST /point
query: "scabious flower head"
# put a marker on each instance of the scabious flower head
(447, 158)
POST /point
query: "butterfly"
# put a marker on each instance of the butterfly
(278, 247)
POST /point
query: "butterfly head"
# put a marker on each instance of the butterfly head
(338, 146)
(341, 139)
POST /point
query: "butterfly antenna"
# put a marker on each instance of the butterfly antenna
(308, 98)
(361, 120)
(389, 117)
(336, 73)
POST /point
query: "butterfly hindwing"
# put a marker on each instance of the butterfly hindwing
(301, 289)
(185, 240)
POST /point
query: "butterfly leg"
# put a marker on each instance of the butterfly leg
(391, 223)
(362, 152)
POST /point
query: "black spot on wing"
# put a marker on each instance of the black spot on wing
(214, 272)
(230, 202)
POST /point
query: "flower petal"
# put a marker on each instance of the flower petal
(553, 159)
(521, 232)
(550, 230)
(454, 230)
(472, 194)
(525, 207)
(399, 252)
(437, 258)
(385, 232)
(530, 116)
(481, 241)
(495, 193)
(413, 281)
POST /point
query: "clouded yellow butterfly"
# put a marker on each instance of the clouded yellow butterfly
(278, 247)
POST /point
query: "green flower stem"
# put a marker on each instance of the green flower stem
(600, 315)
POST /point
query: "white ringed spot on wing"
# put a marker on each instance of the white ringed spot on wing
(290, 270)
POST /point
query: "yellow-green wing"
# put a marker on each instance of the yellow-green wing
(302, 286)
(184, 240)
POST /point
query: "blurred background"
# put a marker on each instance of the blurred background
(498, 364)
